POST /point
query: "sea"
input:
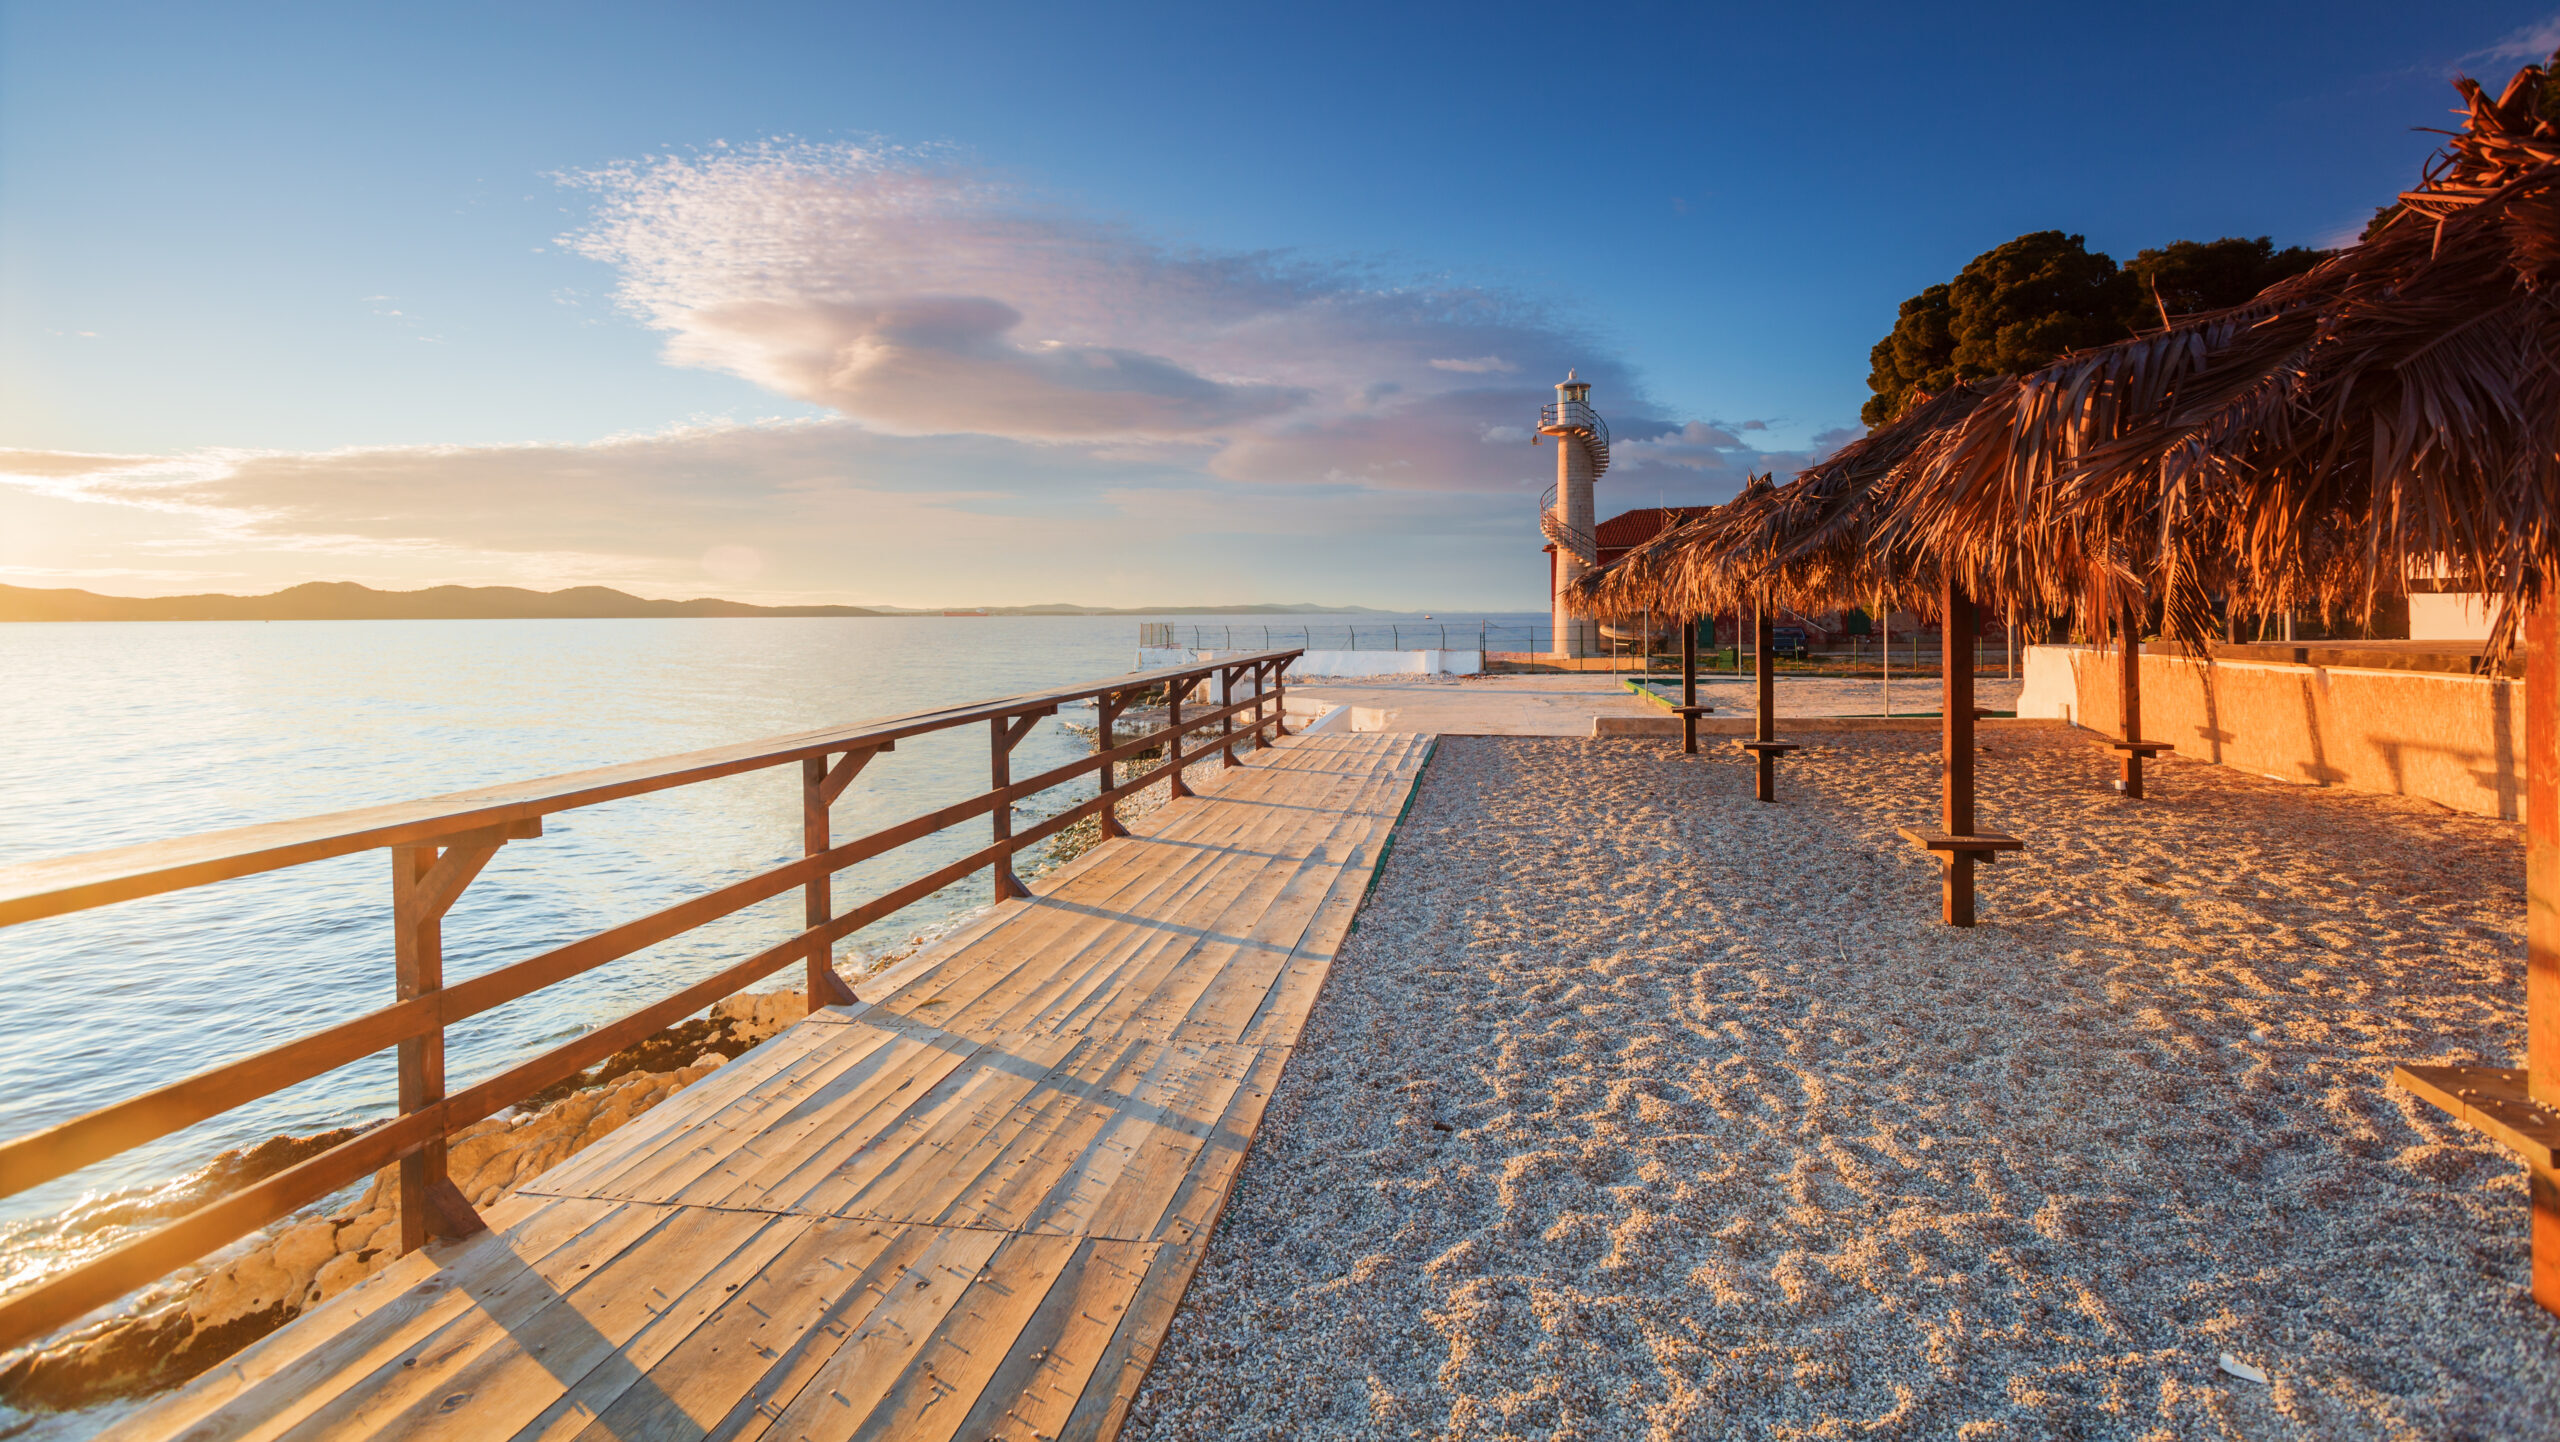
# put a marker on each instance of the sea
(120, 733)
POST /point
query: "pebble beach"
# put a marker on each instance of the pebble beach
(1636, 1109)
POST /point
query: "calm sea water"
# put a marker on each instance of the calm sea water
(123, 733)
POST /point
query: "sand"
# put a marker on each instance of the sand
(1636, 1109)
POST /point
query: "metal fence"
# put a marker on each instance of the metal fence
(1378, 636)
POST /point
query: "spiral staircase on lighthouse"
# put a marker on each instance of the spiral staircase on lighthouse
(1573, 422)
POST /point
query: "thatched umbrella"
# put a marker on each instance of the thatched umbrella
(1832, 538)
(2391, 413)
(2395, 409)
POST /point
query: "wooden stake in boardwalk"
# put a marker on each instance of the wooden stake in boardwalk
(1764, 743)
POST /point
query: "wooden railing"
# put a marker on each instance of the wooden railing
(438, 845)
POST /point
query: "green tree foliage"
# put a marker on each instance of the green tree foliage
(2017, 307)
(2196, 275)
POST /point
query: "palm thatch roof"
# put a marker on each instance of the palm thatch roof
(2394, 412)
(1830, 538)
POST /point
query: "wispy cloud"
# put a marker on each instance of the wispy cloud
(2534, 42)
(924, 300)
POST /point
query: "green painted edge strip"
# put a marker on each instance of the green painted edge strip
(1388, 847)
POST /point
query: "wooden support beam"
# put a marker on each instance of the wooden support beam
(1174, 691)
(820, 785)
(2542, 920)
(426, 880)
(1956, 752)
(1689, 687)
(1227, 722)
(1004, 734)
(1106, 711)
(2129, 699)
(1764, 745)
(1279, 698)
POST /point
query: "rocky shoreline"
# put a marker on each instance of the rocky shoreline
(182, 1327)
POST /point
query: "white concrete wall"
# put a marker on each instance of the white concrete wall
(2050, 688)
(1332, 663)
(2449, 616)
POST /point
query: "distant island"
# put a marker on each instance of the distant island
(347, 601)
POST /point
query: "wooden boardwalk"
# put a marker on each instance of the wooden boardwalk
(962, 1209)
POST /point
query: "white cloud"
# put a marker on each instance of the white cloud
(2534, 43)
(924, 301)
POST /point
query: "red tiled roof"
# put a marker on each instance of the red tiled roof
(1634, 528)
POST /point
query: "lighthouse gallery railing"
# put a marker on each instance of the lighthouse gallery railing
(439, 845)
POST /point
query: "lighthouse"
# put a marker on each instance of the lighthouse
(1582, 453)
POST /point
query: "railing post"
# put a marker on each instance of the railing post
(426, 879)
(419, 949)
(1173, 718)
(1280, 697)
(1008, 886)
(1227, 723)
(1107, 709)
(820, 785)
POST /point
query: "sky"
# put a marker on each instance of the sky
(1105, 304)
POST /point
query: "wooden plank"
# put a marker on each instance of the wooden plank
(1032, 1391)
(864, 1372)
(2492, 1099)
(587, 1315)
(278, 1383)
(1137, 1332)
(754, 1128)
(588, 1346)
(932, 1399)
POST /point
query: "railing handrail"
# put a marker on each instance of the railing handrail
(1575, 415)
(30, 890)
(440, 844)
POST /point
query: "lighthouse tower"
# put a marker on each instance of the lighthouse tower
(1582, 453)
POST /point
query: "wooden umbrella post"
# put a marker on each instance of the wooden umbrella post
(2129, 745)
(1957, 842)
(1764, 743)
(1689, 708)
(2542, 932)
(2520, 1107)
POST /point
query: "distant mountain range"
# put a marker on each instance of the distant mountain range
(347, 601)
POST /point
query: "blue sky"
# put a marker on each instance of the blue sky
(1021, 303)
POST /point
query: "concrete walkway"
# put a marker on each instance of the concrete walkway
(1560, 705)
(1477, 705)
